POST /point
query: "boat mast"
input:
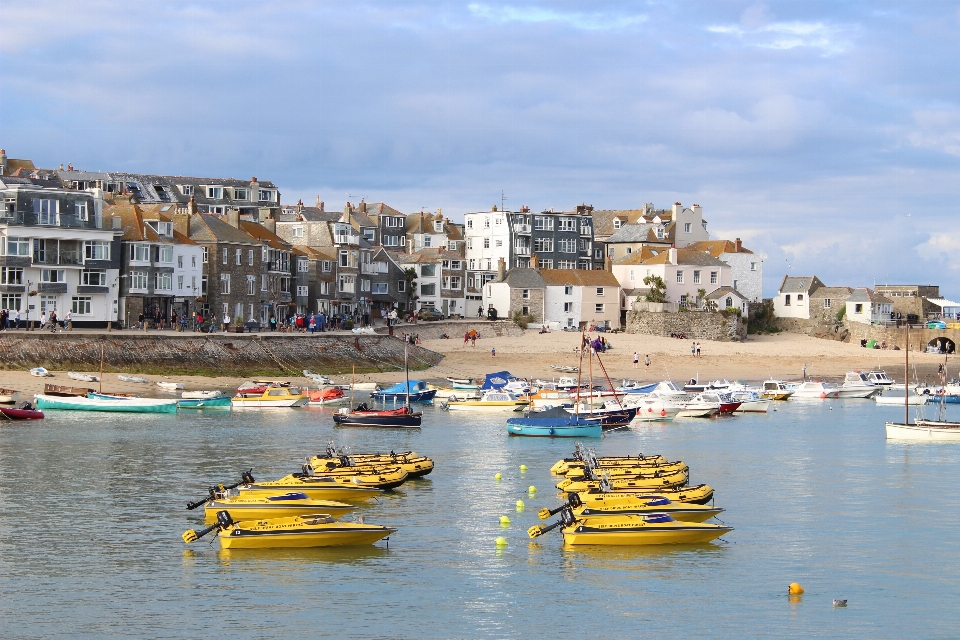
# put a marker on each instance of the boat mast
(406, 368)
(579, 373)
(353, 383)
(101, 368)
(906, 380)
(590, 397)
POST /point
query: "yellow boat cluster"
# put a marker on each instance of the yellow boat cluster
(625, 500)
(302, 509)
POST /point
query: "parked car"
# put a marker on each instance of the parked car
(936, 324)
(429, 314)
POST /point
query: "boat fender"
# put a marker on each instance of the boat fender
(452, 398)
(663, 412)
(551, 430)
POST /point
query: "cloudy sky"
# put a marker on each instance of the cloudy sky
(825, 134)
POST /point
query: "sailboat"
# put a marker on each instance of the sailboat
(921, 429)
(363, 416)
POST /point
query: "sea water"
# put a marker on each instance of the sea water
(92, 510)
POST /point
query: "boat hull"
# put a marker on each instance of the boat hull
(335, 492)
(418, 396)
(754, 406)
(206, 403)
(258, 403)
(267, 510)
(479, 405)
(402, 421)
(556, 431)
(678, 511)
(926, 430)
(600, 533)
(699, 494)
(274, 534)
(21, 414)
(127, 405)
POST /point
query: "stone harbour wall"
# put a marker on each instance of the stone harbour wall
(213, 355)
(695, 325)
(456, 328)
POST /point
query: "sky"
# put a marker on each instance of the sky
(826, 135)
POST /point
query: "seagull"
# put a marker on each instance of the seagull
(839, 603)
(789, 266)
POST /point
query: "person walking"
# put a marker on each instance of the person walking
(636, 360)
(493, 352)
(647, 362)
(68, 320)
(698, 349)
(693, 349)
(226, 322)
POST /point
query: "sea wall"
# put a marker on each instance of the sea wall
(824, 328)
(695, 325)
(919, 338)
(456, 328)
(213, 355)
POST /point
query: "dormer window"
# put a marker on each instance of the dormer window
(164, 229)
(241, 194)
(617, 223)
(660, 232)
(186, 189)
(215, 192)
(438, 226)
(266, 195)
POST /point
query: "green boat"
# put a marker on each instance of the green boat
(206, 403)
(126, 405)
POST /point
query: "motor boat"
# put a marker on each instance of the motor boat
(445, 392)
(652, 408)
(897, 399)
(491, 400)
(817, 389)
(611, 414)
(623, 471)
(880, 378)
(858, 385)
(463, 383)
(624, 504)
(692, 406)
(545, 398)
(554, 422)
(776, 390)
(751, 402)
(317, 378)
(726, 404)
(650, 484)
(257, 507)
(412, 390)
(23, 412)
(632, 529)
(363, 416)
(667, 389)
(694, 386)
(272, 397)
(582, 457)
(315, 530)
(564, 383)
(329, 395)
(414, 464)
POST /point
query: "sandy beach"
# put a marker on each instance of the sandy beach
(779, 356)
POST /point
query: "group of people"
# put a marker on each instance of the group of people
(52, 322)
(636, 361)
(9, 319)
(471, 337)
(695, 349)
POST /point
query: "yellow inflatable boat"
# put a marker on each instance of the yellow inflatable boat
(653, 529)
(626, 504)
(317, 530)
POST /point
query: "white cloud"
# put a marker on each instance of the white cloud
(829, 39)
(532, 14)
(937, 129)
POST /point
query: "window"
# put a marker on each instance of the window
(568, 291)
(266, 195)
(598, 253)
(660, 232)
(369, 233)
(215, 209)
(163, 282)
(205, 257)
(499, 243)
(9, 275)
(567, 307)
(53, 275)
(224, 255)
(826, 303)
(617, 223)
(250, 257)
(631, 275)
(611, 251)
(786, 300)
(325, 288)
(546, 264)
(679, 277)
(451, 245)
(426, 241)
(455, 283)
(215, 192)
(696, 277)
(251, 285)
(498, 220)
(80, 305)
(401, 286)
(347, 284)
(225, 283)
(713, 277)
(239, 256)
(193, 284)
(799, 297)
(428, 270)
(858, 308)
(470, 223)
(365, 285)
(567, 245)
(327, 266)
(543, 245)
(344, 259)
(599, 291)
(138, 280)
(17, 246)
(729, 302)
(486, 243)
(583, 246)
(567, 224)
(380, 287)
(11, 301)
(599, 308)
(753, 266)
(297, 232)
(240, 194)
(303, 266)
(486, 222)
(469, 243)
(166, 253)
(186, 189)
(428, 290)
(543, 223)
(302, 291)
(445, 264)
(686, 227)
(473, 264)
(48, 303)
(139, 252)
(180, 262)
(179, 283)
(263, 282)
(526, 294)
(525, 311)
(438, 226)
(83, 211)
(203, 285)
(46, 210)
(94, 278)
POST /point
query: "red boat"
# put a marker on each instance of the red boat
(327, 396)
(21, 414)
(363, 416)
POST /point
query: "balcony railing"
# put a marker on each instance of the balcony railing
(343, 238)
(373, 267)
(522, 228)
(69, 258)
(523, 251)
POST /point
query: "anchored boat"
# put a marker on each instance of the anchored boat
(634, 505)
(490, 401)
(272, 397)
(121, 405)
(318, 530)
(657, 528)
(555, 422)
(256, 507)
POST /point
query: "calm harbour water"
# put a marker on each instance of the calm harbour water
(91, 512)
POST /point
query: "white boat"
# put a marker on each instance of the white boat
(652, 408)
(565, 383)
(751, 402)
(364, 386)
(924, 430)
(464, 383)
(272, 397)
(122, 377)
(776, 390)
(83, 377)
(857, 385)
(6, 395)
(317, 377)
(816, 390)
(565, 368)
(170, 386)
(667, 389)
(201, 395)
(40, 372)
(461, 394)
(690, 406)
(880, 377)
(897, 399)
(492, 400)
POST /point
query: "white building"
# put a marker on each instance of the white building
(793, 297)
(684, 272)
(746, 267)
(869, 307)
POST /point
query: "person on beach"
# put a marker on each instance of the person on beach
(698, 349)
(493, 353)
(636, 360)
(693, 349)
(647, 362)
(43, 319)
(466, 337)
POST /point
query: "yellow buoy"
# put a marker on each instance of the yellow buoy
(531, 489)
(504, 521)
(501, 541)
(520, 505)
(794, 589)
(497, 477)
(523, 467)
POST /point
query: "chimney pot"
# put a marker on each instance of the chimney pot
(253, 179)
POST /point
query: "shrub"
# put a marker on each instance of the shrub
(347, 325)
(521, 320)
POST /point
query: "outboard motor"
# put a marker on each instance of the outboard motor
(223, 519)
(247, 477)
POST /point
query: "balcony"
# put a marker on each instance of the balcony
(586, 232)
(373, 267)
(522, 229)
(344, 238)
(522, 251)
(63, 258)
(53, 287)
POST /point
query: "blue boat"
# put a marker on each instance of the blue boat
(647, 388)
(556, 423)
(206, 403)
(417, 390)
(497, 380)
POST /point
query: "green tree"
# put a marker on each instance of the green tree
(701, 297)
(658, 289)
(410, 277)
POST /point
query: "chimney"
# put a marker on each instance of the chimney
(69, 166)
(677, 208)
(673, 255)
(319, 203)
(501, 270)
(270, 225)
(233, 218)
(192, 206)
(3, 162)
(608, 263)
(181, 223)
(697, 209)
(534, 262)
(738, 245)
(363, 206)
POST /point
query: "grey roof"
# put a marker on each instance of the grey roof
(799, 284)
(207, 228)
(863, 294)
(525, 279)
(831, 292)
(723, 291)
(632, 233)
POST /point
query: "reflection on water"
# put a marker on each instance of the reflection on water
(92, 508)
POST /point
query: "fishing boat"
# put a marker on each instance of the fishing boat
(554, 422)
(630, 529)
(490, 401)
(40, 372)
(317, 530)
(330, 395)
(751, 402)
(414, 464)
(816, 389)
(121, 405)
(122, 377)
(222, 403)
(412, 391)
(272, 398)
(776, 390)
(202, 395)
(82, 377)
(26, 412)
(170, 386)
(6, 395)
(617, 504)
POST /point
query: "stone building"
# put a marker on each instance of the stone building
(911, 299)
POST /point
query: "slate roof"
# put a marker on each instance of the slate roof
(717, 247)
(207, 228)
(131, 222)
(834, 293)
(265, 236)
(799, 284)
(863, 294)
(724, 291)
(524, 279)
(579, 278)
(603, 220)
(640, 232)
(687, 257)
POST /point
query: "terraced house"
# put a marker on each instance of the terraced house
(55, 254)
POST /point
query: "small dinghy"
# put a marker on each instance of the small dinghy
(630, 529)
(564, 368)
(224, 402)
(330, 395)
(82, 377)
(316, 530)
(201, 395)
(122, 377)
(6, 395)
(40, 372)
(287, 505)
(317, 377)
(23, 411)
(170, 386)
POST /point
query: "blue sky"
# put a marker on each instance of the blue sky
(825, 134)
